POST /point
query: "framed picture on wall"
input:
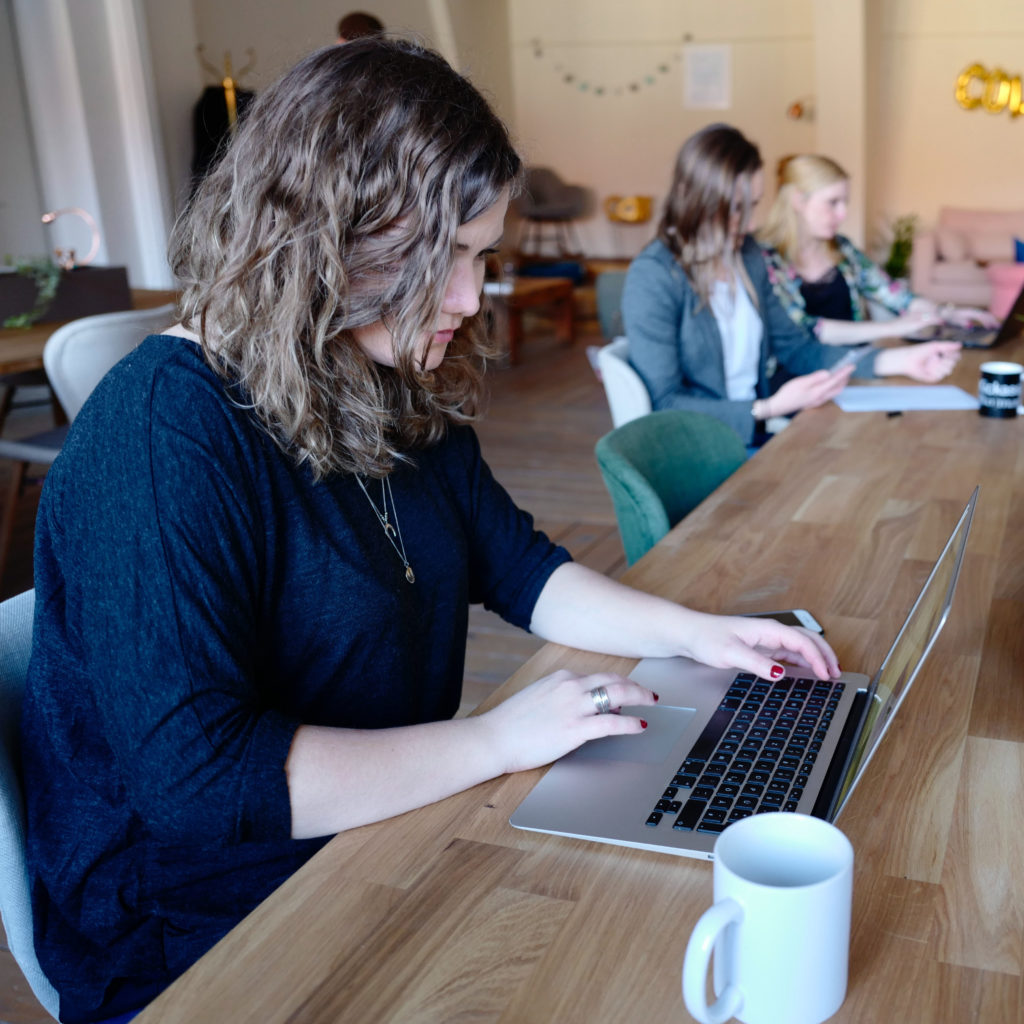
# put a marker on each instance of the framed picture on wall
(707, 77)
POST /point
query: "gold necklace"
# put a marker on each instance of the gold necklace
(391, 532)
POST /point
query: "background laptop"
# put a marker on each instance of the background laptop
(720, 746)
(979, 337)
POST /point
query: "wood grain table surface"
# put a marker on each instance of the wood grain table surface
(449, 914)
(22, 348)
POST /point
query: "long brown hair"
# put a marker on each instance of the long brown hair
(713, 166)
(336, 206)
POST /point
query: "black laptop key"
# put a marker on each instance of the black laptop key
(654, 818)
(711, 826)
(690, 815)
(713, 731)
(715, 814)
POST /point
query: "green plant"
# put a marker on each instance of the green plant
(46, 275)
(898, 263)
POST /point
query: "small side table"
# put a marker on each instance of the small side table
(529, 292)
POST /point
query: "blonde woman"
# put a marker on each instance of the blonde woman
(705, 327)
(257, 550)
(821, 278)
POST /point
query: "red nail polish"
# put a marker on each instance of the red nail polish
(777, 671)
(643, 724)
(656, 698)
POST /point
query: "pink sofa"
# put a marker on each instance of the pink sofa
(950, 262)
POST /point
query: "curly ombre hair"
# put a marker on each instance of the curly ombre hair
(335, 207)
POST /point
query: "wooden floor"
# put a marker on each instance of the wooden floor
(538, 436)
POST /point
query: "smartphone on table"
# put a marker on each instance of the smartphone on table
(791, 617)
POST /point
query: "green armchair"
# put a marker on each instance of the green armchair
(662, 466)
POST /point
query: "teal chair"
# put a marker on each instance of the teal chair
(660, 467)
(608, 287)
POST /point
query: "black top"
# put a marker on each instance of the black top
(198, 596)
(828, 297)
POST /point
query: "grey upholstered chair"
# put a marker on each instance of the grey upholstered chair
(76, 357)
(545, 203)
(15, 904)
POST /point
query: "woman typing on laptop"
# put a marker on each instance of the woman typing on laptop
(256, 552)
(822, 279)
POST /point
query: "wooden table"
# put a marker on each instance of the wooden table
(447, 913)
(22, 348)
(529, 293)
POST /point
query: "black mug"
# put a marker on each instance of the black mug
(999, 389)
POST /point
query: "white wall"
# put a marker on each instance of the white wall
(927, 151)
(281, 31)
(624, 141)
(921, 150)
(178, 81)
(90, 103)
(21, 206)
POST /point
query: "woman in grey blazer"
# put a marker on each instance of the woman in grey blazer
(706, 331)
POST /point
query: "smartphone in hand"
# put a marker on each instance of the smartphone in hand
(791, 617)
(853, 356)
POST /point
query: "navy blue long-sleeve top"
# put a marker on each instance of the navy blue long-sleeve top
(198, 596)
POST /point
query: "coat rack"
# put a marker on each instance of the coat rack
(228, 81)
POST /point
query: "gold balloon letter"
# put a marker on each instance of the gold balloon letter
(964, 97)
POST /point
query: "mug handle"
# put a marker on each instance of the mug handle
(713, 922)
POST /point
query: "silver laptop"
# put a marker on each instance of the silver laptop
(1010, 329)
(720, 745)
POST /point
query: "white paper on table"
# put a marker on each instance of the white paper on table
(905, 398)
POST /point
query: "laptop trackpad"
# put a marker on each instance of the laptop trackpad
(653, 745)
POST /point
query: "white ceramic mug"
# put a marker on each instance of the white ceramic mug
(779, 926)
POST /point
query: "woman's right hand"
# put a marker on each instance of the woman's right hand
(556, 714)
(806, 392)
(910, 323)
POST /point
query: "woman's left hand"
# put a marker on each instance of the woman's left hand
(758, 645)
(928, 362)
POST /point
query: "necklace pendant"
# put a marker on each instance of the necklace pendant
(409, 574)
(389, 529)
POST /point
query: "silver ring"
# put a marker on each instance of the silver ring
(602, 701)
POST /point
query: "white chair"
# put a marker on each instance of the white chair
(628, 397)
(76, 358)
(15, 902)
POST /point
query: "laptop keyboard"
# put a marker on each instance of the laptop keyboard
(755, 754)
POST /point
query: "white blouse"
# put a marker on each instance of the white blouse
(741, 329)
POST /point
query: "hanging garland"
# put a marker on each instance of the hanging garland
(647, 80)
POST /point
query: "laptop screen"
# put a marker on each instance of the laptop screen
(909, 649)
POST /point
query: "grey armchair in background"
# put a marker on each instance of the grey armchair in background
(548, 207)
